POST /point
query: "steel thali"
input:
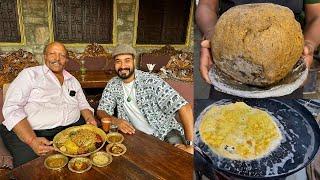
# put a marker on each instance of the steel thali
(224, 83)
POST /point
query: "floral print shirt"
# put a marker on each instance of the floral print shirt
(157, 101)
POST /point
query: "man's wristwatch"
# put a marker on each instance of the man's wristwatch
(189, 143)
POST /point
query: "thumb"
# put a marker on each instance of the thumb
(205, 44)
(306, 50)
(45, 141)
(205, 74)
(206, 78)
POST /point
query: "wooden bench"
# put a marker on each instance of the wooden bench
(11, 65)
(94, 57)
(168, 58)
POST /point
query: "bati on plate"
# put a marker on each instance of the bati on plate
(257, 44)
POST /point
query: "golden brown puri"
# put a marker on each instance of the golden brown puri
(257, 44)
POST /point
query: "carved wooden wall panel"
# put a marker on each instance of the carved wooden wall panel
(9, 24)
(163, 21)
(83, 21)
(11, 64)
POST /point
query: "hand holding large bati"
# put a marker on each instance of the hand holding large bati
(257, 44)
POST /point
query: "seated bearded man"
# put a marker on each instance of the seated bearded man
(145, 102)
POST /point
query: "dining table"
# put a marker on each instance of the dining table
(93, 79)
(146, 157)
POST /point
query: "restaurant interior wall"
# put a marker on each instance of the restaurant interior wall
(35, 22)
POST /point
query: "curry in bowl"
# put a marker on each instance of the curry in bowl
(56, 161)
(79, 164)
(116, 149)
(101, 159)
(114, 137)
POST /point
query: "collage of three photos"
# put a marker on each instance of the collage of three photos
(162, 89)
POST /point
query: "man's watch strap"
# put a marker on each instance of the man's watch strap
(189, 143)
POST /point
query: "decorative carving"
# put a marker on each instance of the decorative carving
(94, 57)
(74, 56)
(13, 63)
(166, 50)
(95, 50)
(180, 66)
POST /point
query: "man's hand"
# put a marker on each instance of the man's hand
(87, 114)
(91, 120)
(6, 161)
(41, 146)
(124, 126)
(205, 60)
(307, 54)
(184, 147)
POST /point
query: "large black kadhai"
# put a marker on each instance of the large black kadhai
(300, 143)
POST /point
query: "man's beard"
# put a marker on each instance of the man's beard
(125, 76)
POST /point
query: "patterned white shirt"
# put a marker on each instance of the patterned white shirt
(157, 101)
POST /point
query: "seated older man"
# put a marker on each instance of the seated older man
(41, 102)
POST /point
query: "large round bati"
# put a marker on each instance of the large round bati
(257, 44)
(239, 132)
